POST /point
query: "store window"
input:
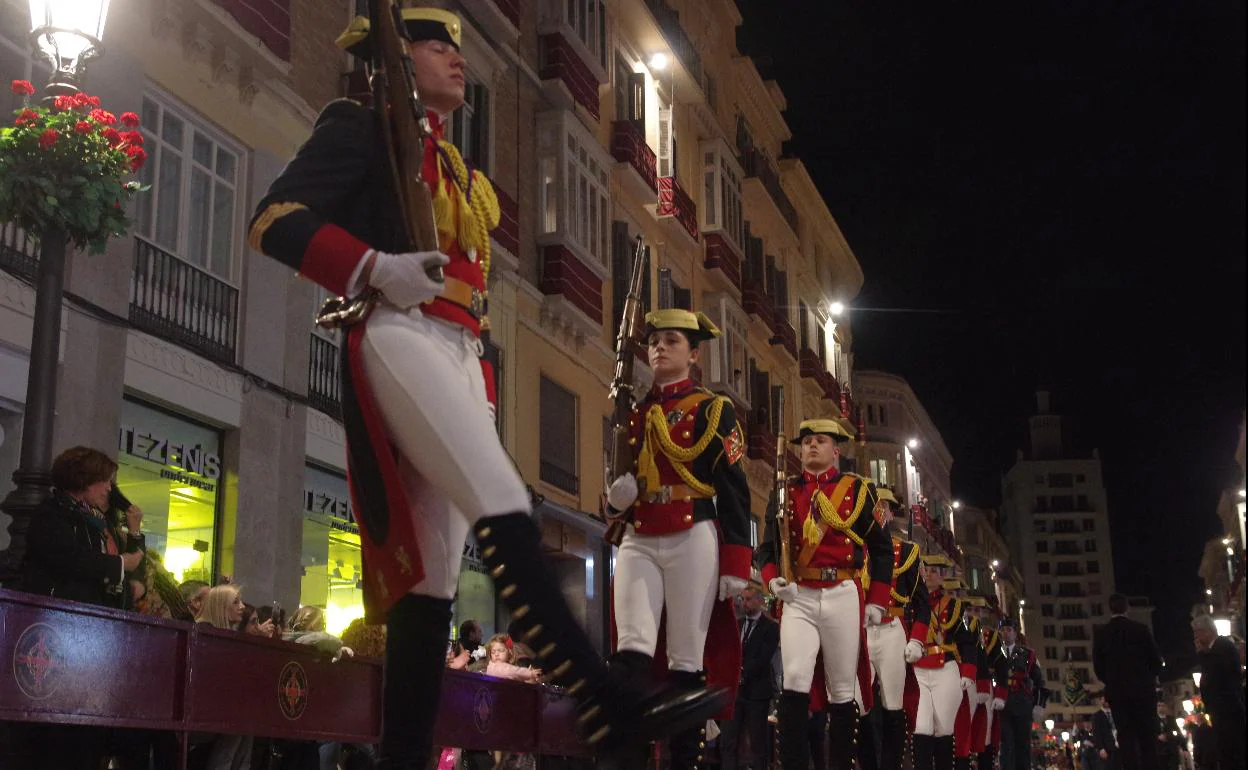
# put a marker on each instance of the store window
(171, 468)
(330, 553)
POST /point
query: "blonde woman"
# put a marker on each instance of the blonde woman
(223, 608)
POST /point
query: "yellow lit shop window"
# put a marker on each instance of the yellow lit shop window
(332, 576)
(170, 468)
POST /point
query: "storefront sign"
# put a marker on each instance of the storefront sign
(328, 504)
(178, 459)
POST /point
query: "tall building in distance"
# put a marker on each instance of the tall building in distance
(1054, 515)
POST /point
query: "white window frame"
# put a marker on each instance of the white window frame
(463, 119)
(583, 23)
(731, 350)
(721, 209)
(574, 190)
(155, 145)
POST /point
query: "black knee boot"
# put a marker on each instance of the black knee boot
(793, 715)
(962, 763)
(687, 747)
(842, 735)
(416, 635)
(612, 708)
(893, 740)
(867, 759)
(943, 753)
(924, 748)
(987, 759)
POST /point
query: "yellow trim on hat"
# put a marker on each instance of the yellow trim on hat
(885, 494)
(357, 31)
(822, 426)
(681, 320)
(936, 560)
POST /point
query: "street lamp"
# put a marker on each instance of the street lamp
(913, 443)
(1048, 724)
(1223, 626)
(1188, 706)
(996, 564)
(67, 33)
(659, 61)
(1065, 736)
(1196, 679)
(837, 308)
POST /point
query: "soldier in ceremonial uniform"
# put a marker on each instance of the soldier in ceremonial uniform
(990, 638)
(971, 714)
(1024, 697)
(938, 670)
(425, 462)
(836, 526)
(688, 549)
(904, 628)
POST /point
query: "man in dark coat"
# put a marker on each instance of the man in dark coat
(760, 638)
(1104, 738)
(1222, 689)
(1126, 659)
(1024, 699)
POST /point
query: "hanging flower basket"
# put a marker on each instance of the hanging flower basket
(68, 167)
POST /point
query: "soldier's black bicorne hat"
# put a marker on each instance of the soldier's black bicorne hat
(421, 24)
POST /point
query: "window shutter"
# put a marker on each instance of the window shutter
(665, 150)
(803, 322)
(637, 98)
(665, 288)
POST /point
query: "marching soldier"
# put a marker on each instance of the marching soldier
(688, 550)
(971, 714)
(836, 523)
(904, 628)
(937, 669)
(991, 639)
(425, 462)
(1024, 697)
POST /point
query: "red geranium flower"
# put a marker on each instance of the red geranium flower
(48, 138)
(94, 101)
(22, 87)
(81, 99)
(113, 136)
(130, 119)
(137, 155)
(82, 127)
(63, 102)
(103, 116)
(26, 116)
(132, 137)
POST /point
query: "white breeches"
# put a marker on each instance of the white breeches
(425, 375)
(887, 645)
(940, 694)
(679, 571)
(827, 620)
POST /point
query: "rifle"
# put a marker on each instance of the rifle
(784, 510)
(621, 460)
(404, 127)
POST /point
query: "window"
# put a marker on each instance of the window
(1089, 545)
(1043, 567)
(1046, 589)
(16, 63)
(1042, 546)
(1042, 504)
(871, 414)
(1079, 477)
(1039, 480)
(1050, 631)
(1094, 587)
(587, 21)
(574, 194)
(1083, 504)
(883, 416)
(1050, 653)
(192, 208)
(630, 92)
(1097, 609)
(470, 126)
(1062, 480)
(879, 471)
(1040, 526)
(1094, 567)
(1089, 525)
(726, 363)
(558, 436)
(720, 208)
(671, 294)
(1062, 503)
(1046, 610)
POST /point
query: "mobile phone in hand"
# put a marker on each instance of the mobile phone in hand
(118, 501)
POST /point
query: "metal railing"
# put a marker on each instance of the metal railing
(668, 20)
(324, 382)
(757, 165)
(18, 253)
(179, 302)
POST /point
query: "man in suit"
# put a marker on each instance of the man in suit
(1024, 697)
(1125, 657)
(1222, 690)
(760, 637)
(1104, 738)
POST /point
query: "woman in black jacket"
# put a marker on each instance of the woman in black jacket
(75, 548)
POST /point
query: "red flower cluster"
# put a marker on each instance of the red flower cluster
(63, 102)
(113, 136)
(48, 138)
(134, 138)
(82, 127)
(130, 119)
(26, 116)
(137, 156)
(22, 88)
(103, 116)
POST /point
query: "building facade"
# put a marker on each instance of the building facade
(1054, 516)
(1222, 564)
(195, 360)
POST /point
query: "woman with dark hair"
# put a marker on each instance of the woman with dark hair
(75, 548)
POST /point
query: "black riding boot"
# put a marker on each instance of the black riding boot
(924, 748)
(612, 709)
(416, 634)
(793, 714)
(987, 759)
(687, 747)
(962, 763)
(867, 759)
(842, 735)
(944, 753)
(893, 740)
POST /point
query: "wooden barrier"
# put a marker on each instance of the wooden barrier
(70, 663)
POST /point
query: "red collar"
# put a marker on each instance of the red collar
(668, 392)
(437, 124)
(831, 474)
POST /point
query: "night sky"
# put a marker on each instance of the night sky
(1070, 184)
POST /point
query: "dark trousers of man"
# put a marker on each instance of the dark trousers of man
(743, 742)
(1138, 728)
(1015, 740)
(1229, 732)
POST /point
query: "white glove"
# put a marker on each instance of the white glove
(343, 652)
(479, 653)
(874, 615)
(783, 589)
(982, 697)
(914, 651)
(968, 686)
(1037, 714)
(730, 586)
(402, 277)
(998, 704)
(623, 492)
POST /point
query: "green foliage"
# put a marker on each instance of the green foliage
(69, 167)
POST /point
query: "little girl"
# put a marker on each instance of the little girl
(503, 661)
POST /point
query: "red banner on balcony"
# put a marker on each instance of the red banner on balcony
(675, 202)
(628, 145)
(719, 254)
(268, 20)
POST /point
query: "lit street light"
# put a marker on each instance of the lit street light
(1196, 678)
(837, 308)
(1048, 724)
(1188, 706)
(913, 443)
(996, 564)
(659, 61)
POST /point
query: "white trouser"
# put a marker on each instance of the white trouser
(426, 379)
(940, 694)
(681, 571)
(827, 619)
(992, 714)
(887, 645)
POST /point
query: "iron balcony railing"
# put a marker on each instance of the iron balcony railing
(179, 302)
(19, 254)
(324, 383)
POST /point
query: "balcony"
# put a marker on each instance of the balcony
(18, 253)
(784, 335)
(268, 20)
(761, 443)
(676, 205)
(811, 366)
(721, 256)
(668, 20)
(635, 158)
(324, 382)
(177, 301)
(759, 167)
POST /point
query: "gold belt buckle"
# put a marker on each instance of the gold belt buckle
(661, 495)
(476, 303)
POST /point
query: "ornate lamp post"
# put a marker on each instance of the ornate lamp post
(67, 33)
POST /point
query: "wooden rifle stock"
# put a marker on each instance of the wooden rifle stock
(784, 508)
(621, 460)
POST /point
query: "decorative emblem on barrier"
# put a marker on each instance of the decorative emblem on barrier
(38, 661)
(292, 690)
(483, 709)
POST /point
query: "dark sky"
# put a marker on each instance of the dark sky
(1069, 179)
